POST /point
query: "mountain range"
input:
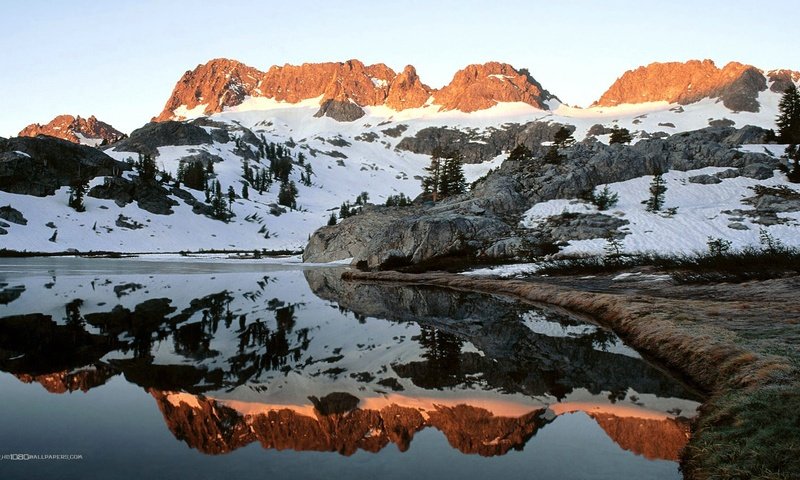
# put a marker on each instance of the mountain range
(347, 128)
(343, 89)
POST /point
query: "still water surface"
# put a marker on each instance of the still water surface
(176, 369)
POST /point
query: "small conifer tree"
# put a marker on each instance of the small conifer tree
(788, 120)
(657, 190)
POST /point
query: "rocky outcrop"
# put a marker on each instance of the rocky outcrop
(147, 139)
(149, 196)
(780, 80)
(736, 85)
(342, 111)
(41, 165)
(88, 131)
(583, 226)
(344, 88)
(478, 87)
(482, 225)
(407, 91)
(480, 146)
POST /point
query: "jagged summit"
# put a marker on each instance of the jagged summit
(86, 131)
(737, 85)
(345, 87)
(478, 87)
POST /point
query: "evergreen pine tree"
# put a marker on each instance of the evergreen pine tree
(332, 219)
(247, 172)
(520, 152)
(620, 135)
(77, 190)
(563, 138)
(789, 117)
(219, 208)
(431, 181)
(605, 199)
(793, 169)
(344, 210)
(309, 172)
(287, 195)
(657, 189)
(453, 181)
(399, 200)
(146, 168)
(245, 191)
(192, 174)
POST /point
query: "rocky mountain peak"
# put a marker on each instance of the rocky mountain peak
(478, 87)
(736, 85)
(219, 83)
(346, 87)
(782, 79)
(89, 131)
(407, 90)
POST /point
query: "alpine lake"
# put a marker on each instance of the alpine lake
(204, 368)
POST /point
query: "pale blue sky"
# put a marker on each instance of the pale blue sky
(119, 60)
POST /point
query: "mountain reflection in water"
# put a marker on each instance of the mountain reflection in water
(299, 360)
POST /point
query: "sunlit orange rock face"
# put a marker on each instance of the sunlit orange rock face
(68, 381)
(333, 425)
(653, 439)
(215, 428)
(475, 430)
(478, 87)
(737, 85)
(224, 83)
(68, 127)
(219, 83)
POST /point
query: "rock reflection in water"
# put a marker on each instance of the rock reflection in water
(251, 358)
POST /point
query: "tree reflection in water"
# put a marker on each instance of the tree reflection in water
(250, 337)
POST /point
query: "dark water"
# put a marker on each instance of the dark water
(200, 370)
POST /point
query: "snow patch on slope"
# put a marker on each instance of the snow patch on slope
(700, 214)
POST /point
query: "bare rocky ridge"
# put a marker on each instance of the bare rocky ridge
(68, 128)
(737, 85)
(346, 87)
